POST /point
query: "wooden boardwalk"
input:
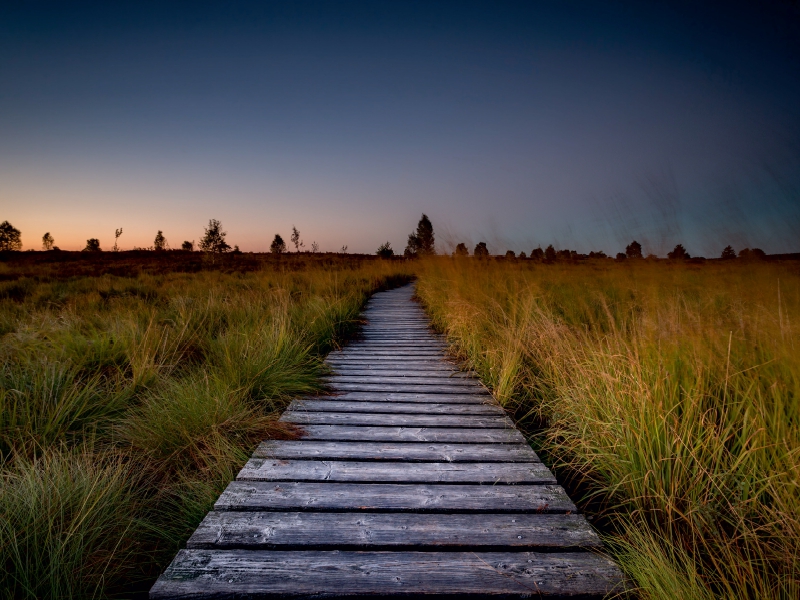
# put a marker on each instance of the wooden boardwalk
(409, 480)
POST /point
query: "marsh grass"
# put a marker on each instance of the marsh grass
(128, 403)
(670, 399)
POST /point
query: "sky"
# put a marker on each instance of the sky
(579, 124)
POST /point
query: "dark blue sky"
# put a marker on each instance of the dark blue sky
(583, 124)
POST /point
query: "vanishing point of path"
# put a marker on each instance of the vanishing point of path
(408, 480)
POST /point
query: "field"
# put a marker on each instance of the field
(665, 395)
(134, 386)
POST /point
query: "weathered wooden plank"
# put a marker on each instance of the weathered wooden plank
(428, 364)
(276, 574)
(376, 379)
(276, 469)
(390, 358)
(410, 388)
(398, 531)
(410, 434)
(397, 352)
(395, 420)
(333, 405)
(400, 497)
(396, 451)
(394, 371)
(413, 397)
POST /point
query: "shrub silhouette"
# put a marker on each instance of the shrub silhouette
(621, 256)
(461, 250)
(728, 253)
(92, 245)
(633, 250)
(278, 246)
(679, 253)
(481, 251)
(421, 242)
(754, 254)
(187, 246)
(117, 233)
(47, 241)
(160, 242)
(10, 237)
(550, 253)
(214, 239)
(522, 255)
(537, 254)
(598, 254)
(385, 250)
(511, 254)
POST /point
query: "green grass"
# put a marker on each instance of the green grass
(127, 403)
(667, 396)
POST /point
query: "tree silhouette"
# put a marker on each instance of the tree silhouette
(10, 237)
(160, 242)
(187, 246)
(754, 254)
(728, 253)
(295, 237)
(214, 238)
(537, 254)
(385, 250)
(117, 233)
(598, 254)
(621, 256)
(550, 253)
(92, 245)
(633, 250)
(47, 241)
(278, 246)
(522, 255)
(678, 253)
(421, 242)
(314, 247)
(511, 254)
(481, 251)
(461, 250)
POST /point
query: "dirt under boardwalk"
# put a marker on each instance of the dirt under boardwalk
(408, 480)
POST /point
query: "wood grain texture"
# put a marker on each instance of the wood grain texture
(402, 531)
(454, 398)
(263, 469)
(426, 408)
(395, 420)
(398, 371)
(341, 378)
(410, 434)
(395, 497)
(410, 388)
(276, 574)
(407, 451)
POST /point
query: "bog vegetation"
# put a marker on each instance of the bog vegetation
(128, 402)
(666, 395)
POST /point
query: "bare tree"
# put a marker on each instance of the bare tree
(47, 241)
(117, 233)
(314, 247)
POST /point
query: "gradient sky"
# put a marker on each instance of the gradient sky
(582, 124)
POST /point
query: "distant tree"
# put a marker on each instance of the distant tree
(117, 233)
(564, 254)
(47, 241)
(213, 240)
(188, 246)
(511, 254)
(523, 256)
(550, 253)
(343, 249)
(160, 242)
(385, 250)
(236, 250)
(537, 254)
(728, 253)
(421, 242)
(278, 246)
(633, 250)
(678, 253)
(314, 247)
(651, 256)
(10, 237)
(754, 254)
(621, 256)
(295, 237)
(92, 245)
(598, 254)
(461, 250)
(481, 251)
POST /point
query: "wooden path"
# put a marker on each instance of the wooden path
(409, 480)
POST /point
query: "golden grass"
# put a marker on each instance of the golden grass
(671, 396)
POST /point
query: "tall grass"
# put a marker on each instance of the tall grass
(128, 403)
(669, 397)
